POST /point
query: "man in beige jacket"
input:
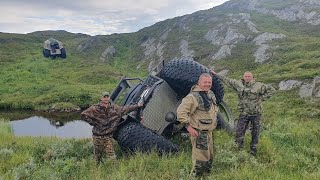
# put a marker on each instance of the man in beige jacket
(198, 113)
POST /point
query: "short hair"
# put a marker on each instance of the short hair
(204, 75)
(248, 72)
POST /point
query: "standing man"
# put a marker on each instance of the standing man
(198, 113)
(105, 117)
(250, 94)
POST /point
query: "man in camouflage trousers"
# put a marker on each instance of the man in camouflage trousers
(250, 94)
(198, 113)
(105, 117)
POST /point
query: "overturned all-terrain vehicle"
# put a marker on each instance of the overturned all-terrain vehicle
(53, 48)
(162, 91)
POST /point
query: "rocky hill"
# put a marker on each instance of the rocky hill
(215, 33)
(257, 31)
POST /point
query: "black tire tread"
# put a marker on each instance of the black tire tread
(133, 136)
(46, 53)
(181, 74)
(63, 53)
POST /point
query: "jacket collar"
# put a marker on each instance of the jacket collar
(248, 84)
(196, 88)
(103, 107)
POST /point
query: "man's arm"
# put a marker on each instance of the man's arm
(231, 82)
(88, 116)
(183, 113)
(184, 110)
(129, 108)
(267, 91)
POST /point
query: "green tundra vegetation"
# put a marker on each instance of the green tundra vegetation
(34, 82)
(288, 149)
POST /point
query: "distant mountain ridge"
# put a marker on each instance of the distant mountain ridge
(205, 35)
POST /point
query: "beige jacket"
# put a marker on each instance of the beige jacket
(189, 111)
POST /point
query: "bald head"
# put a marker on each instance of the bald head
(247, 76)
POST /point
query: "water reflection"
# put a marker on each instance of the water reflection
(65, 125)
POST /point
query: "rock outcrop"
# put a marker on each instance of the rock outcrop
(226, 36)
(87, 44)
(306, 89)
(294, 11)
(184, 49)
(107, 53)
(261, 40)
(289, 85)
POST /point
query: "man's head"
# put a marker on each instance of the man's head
(205, 81)
(247, 76)
(105, 97)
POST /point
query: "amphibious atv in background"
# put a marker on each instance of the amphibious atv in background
(53, 48)
(162, 92)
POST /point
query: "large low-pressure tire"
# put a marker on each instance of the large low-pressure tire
(63, 53)
(133, 136)
(46, 53)
(223, 124)
(183, 73)
(225, 117)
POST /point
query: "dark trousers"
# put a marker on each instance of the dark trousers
(242, 126)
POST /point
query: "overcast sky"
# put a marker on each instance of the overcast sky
(93, 16)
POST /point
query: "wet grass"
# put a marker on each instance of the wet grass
(288, 149)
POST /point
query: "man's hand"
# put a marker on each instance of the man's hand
(140, 104)
(212, 72)
(192, 131)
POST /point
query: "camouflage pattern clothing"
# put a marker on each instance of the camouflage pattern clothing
(251, 95)
(103, 145)
(242, 125)
(202, 152)
(199, 110)
(104, 121)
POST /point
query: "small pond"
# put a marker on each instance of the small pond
(31, 123)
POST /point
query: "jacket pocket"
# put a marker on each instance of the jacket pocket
(205, 121)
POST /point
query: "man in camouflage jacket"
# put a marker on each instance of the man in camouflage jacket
(250, 94)
(105, 117)
(198, 113)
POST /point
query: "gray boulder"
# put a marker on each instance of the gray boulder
(316, 87)
(289, 85)
(307, 89)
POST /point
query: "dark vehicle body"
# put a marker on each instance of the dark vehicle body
(162, 92)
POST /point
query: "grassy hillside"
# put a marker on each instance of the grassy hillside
(295, 57)
(288, 149)
(30, 81)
